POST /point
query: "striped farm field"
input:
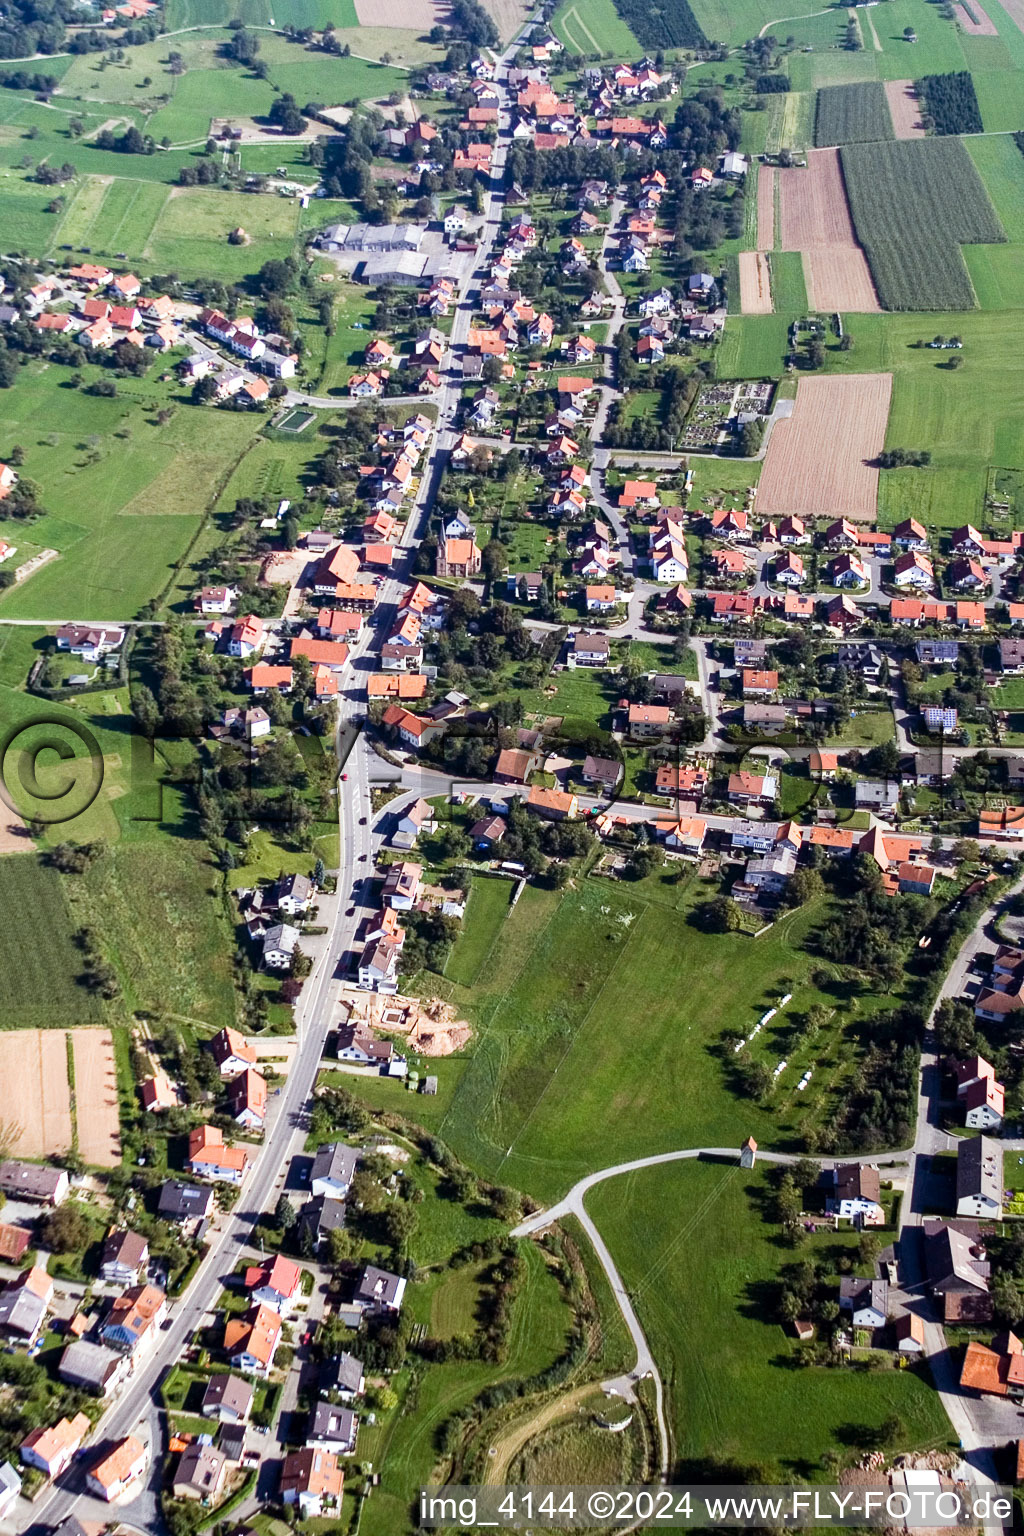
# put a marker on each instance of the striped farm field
(593, 26)
(815, 220)
(914, 203)
(823, 455)
(852, 114)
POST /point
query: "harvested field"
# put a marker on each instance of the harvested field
(755, 285)
(35, 1063)
(974, 21)
(766, 207)
(904, 109)
(816, 221)
(421, 14)
(819, 461)
(96, 1109)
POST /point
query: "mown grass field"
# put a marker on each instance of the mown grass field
(593, 26)
(914, 203)
(598, 1020)
(939, 47)
(789, 291)
(701, 1265)
(123, 494)
(486, 911)
(852, 114)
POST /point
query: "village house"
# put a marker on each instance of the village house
(979, 1177)
(51, 1449)
(250, 1342)
(855, 1196)
(866, 1301)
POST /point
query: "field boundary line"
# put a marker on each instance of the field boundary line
(804, 16)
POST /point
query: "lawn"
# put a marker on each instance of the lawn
(486, 911)
(38, 986)
(593, 26)
(701, 1264)
(866, 728)
(599, 1036)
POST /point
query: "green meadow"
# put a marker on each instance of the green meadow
(124, 495)
(702, 1261)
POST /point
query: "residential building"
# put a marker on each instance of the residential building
(229, 1399)
(312, 1481)
(51, 1449)
(402, 886)
(124, 1258)
(332, 1171)
(134, 1319)
(957, 1272)
(378, 1291)
(341, 1377)
(979, 1177)
(752, 789)
(552, 804)
(247, 1098)
(10, 1489)
(210, 1158)
(250, 1342)
(184, 1202)
(855, 1195)
(34, 1182)
(332, 1428)
(232, 1052)
(411, 822)
(276, 1283)
(200, 1473)
(867, 1301)
(118, 1469)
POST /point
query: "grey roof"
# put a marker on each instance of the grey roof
(604, 770)
(8, 314)
(979, 1170)
(228, 1391)
(21, 1311)
(30, 1180)
(88, 1365)
(322, 1214)
(341, 1373)
(180, 1201)
(231, 1440)
(328, 1422)
(952, 1258)
(298, 886)
(876, 791)
(334, 1161)
(860, 1292)
(378, 1285)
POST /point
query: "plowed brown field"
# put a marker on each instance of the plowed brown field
(34, 1069)
(818, 462)
(766, 207)
(96, 1107)
(755, 287)
(904, 109)
(816, 221)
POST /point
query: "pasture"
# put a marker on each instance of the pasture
(593, 26)
(702, 1261)
(600, 1018)
(914, 203)
(852, 114)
